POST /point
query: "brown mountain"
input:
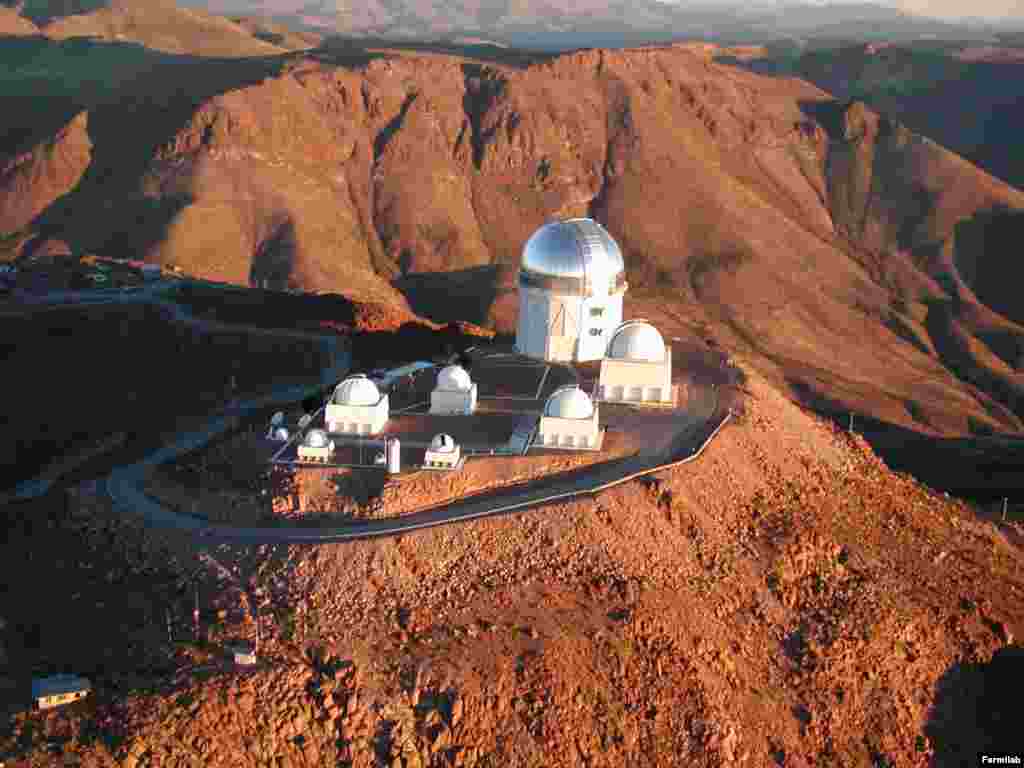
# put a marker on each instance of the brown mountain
(13, 24)
(280, 35)
(862, 265)
(916, 84)
(160, 25)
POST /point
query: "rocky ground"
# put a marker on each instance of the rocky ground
(786, 600)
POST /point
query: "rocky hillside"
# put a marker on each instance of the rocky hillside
(13, 24)
(786, 599)
(914, 83)
(757, 207)
(161, 25)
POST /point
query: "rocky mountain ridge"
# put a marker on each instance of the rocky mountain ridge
(757, 206)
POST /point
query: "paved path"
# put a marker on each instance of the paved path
(124, 484)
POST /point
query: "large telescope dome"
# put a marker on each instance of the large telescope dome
(573, 256)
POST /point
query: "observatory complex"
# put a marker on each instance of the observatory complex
(539, 396)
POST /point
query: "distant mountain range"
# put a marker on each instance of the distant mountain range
(560, 24)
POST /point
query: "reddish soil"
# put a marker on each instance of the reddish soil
(784, 599)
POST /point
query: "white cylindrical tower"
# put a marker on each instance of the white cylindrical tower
(394, 455)
(571, 283)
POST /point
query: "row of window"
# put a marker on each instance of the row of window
(440, 464)
(635, 393)
(351, 428)
(566, 441)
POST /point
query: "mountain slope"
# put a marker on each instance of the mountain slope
(13, 24)
(161, 25)
(915, 84)
(846, 254)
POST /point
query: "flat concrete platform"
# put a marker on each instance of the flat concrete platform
(482, 430)
(647, 431)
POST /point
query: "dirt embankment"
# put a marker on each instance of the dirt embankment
(786, 598)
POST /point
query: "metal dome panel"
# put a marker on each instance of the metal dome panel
(572, 255)
(454, 378)
(442, 443)
(317, 438)
(637, 340)
(569, 402)
(357, 390)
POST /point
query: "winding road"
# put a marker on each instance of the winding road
(711, 398)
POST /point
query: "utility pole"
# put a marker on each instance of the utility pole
(256, 616)
(170, 635)
(851, 421)
(1005, 501)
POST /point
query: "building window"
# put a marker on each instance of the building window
(584, 441)
(654, 394)
(617, 393)
(569, 440)
(597, 311)
(636, 393)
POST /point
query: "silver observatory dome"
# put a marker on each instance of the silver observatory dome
(573, 256)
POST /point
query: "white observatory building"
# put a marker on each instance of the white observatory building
(454, 393)
(357, 407)
(571, 282)
(443, 453)
(316, 446)
(637, 367)
(569, 421)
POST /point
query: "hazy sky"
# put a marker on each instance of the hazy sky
(940, 9)
(958, 8)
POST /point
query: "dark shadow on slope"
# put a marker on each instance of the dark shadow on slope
(986, 254)
(828, 113)
(980, 468)
(138, 100)
(977, 710)
(412, 341)
(956, 355)
(386, 133)
(274, 260)
(484, 86)
(445, 297)
(346, 51)
(137, 373)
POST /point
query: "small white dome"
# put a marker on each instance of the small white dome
(282, 434)
(357, 390)
(442, 443)
(569, 402)
(317, 438)
(637, 340)
(454, 377)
